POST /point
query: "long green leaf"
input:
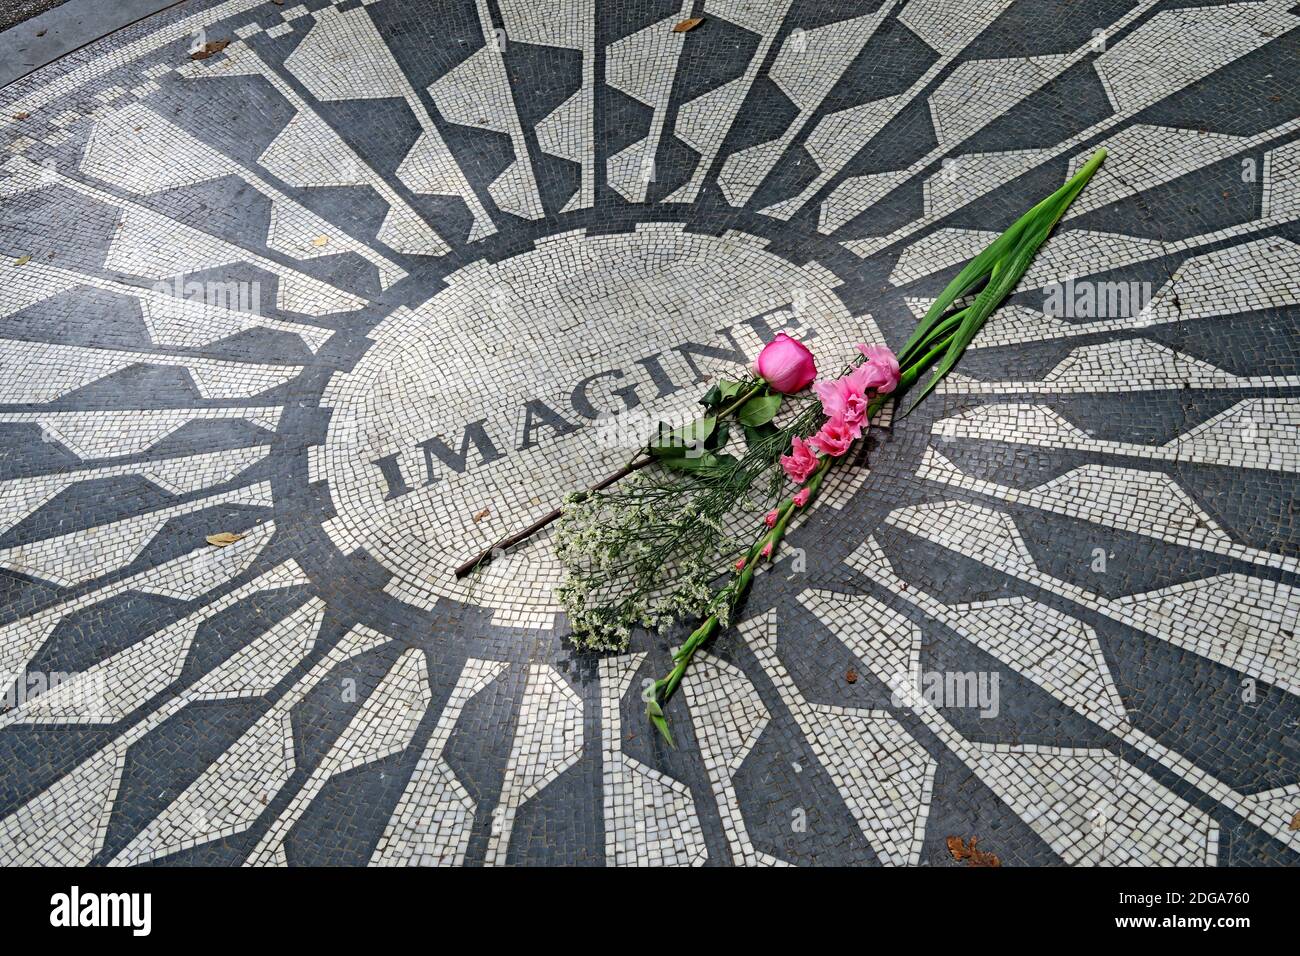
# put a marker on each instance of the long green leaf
(1004, 271)
(969, 277)
(656, 715)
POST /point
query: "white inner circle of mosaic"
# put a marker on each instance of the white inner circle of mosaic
(475, 413)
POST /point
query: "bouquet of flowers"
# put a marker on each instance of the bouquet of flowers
(646, 547)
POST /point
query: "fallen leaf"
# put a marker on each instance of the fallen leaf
(687, 25)
(480, 515)
(21, 116)
(223, 538)
(209, 48)
(851, 676)
(979, 858)
(22, 260)
(40, 33)
(1295, 821)
(320, 241)
(971, 853)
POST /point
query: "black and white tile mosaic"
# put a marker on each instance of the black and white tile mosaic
(359, 283)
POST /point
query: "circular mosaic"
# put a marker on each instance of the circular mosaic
(474, 413)
(304, 304)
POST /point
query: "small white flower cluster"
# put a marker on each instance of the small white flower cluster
(643, 555)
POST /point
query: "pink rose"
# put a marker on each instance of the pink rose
(770, 518)
(835, 437)
(801, 461)
(882, 368)
(801, 498)
(786, 365)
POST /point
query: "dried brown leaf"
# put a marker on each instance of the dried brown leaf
(970, 852)
(979, 857)
(687, 25)
(209, 48)
(223, 538)
(480, 515)
(1295, 821)
(320, 241)
(851, 676)
(21, 116)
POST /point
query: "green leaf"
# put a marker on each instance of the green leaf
(706, 465)
(1003, 264)
(722, 391)
(759, 410)
(976, 271)
(684, 441)
(661, 724)
(756, 434)
(1004, 278)
(656, 715)
(940, 330)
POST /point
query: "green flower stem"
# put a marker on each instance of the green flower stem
(759, 387)
(995, 272)
(917, 366)
(664, 688)
(744, 578)
(942, 331)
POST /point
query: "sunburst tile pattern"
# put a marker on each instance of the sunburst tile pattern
(291, 328)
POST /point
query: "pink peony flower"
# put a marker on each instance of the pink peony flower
(740, 564)
(786, 365)
(769, 519)
(882, 368)
(767, 550)
(835, 437)
(801, 498)
(845, 398)
(801, 461)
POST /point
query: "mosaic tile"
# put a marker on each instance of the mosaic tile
(369, 296)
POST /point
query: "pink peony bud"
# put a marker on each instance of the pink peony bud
(801, 498)
(786, 365)
(769, 519)
(801, 461)
(767, 550)
(883, 368)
